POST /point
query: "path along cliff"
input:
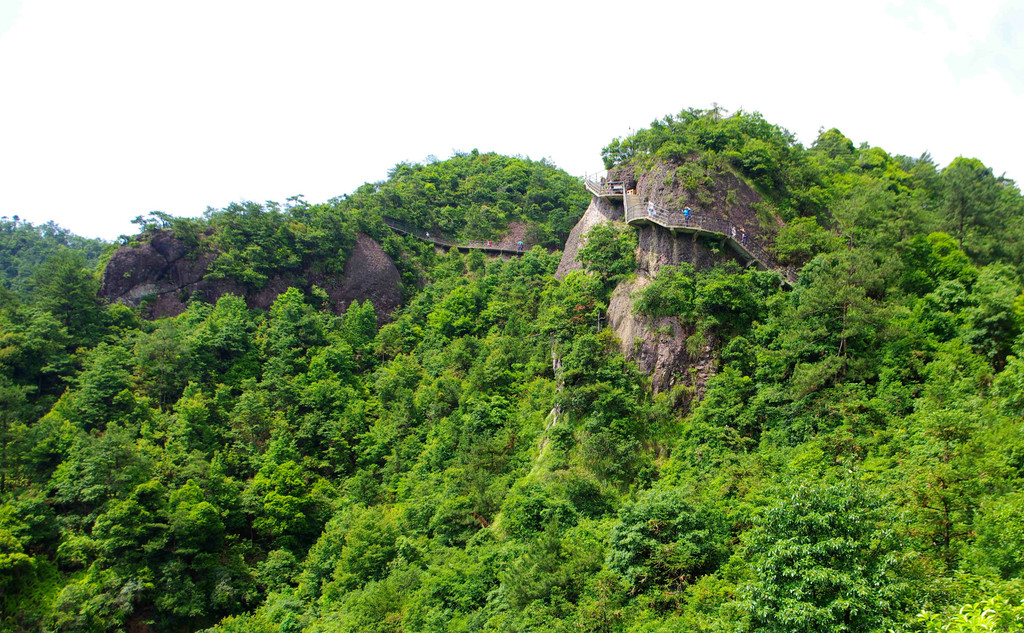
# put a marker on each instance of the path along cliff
(674, 224)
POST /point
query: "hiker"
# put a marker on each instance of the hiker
(743, 236)
(686, 213)
(650, 209)
(488, 243)
(734, 233)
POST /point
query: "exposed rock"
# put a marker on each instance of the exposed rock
(161, 272)
(659, 346)
(369, 274)
(516, 233)
(168, 246)
(599, 212)
(720, 192)
(132, 273)
(265, 297)
(662, 347)
(658, 246)
(166, 275)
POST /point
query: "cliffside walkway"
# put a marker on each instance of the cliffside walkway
(465, 246)
(637, 212)
(613, 189)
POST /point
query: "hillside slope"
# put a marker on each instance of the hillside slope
(842, 454)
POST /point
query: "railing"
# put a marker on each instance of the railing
(605, 187)
(405, 229)
(754, 248)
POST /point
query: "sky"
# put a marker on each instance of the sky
(110, 109)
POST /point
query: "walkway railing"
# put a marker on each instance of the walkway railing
(605, 188)
(755, 249)
(490, 247)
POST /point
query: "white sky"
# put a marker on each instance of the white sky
(110, 109)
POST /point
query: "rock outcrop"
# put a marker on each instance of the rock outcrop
(163, 275)
(658, 247)
(369, 273)
(718, 192)
(661, 347)
(599, 212)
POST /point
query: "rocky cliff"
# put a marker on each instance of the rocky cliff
(662, 347)
(163, 275)
(599, 212)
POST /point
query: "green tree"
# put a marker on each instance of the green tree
(24, 247)
(982, 211)
(68, 291)
(1000, 529)
(609, 250)
(664, 541)
(991, 323)
(832, 321)
(825, 559)
(801, 239)
(288, 504)
(996, 613)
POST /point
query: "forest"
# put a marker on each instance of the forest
(487, 459)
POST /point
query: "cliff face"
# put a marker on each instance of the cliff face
(718, 193)
(657, 247)
(660, 346)
(706, 190)
(167, 276)
(599, 212)
(369, 273)
(657, 345)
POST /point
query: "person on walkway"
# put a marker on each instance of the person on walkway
(650, 209)
(686, 213)
(488, 243)
(519, 246)
(734, 233)
(743, 236)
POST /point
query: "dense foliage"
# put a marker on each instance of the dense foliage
(489, 461)
(864, 194)
(469, 196)
(476, 196)
(25, 246)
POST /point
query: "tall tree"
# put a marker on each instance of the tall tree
(982, 211)
(68, 291)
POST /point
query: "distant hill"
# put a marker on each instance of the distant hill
(24, 246)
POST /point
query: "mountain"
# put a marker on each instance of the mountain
(733, 384)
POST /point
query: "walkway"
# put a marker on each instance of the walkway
(487, 247)
(613, 189)
(638, 212)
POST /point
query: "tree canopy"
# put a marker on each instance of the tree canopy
(845, 454)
